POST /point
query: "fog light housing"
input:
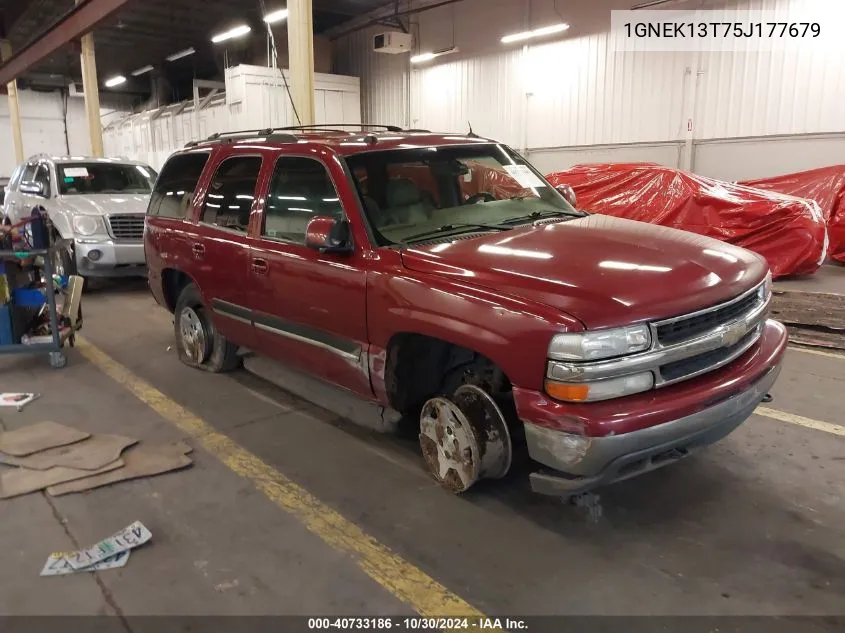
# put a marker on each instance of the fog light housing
(95, 255)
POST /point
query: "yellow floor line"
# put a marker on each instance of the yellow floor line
(817, 352)
(405, 581)
(809, 423)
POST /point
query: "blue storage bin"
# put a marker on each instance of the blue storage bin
(7, 336)
(28, 297)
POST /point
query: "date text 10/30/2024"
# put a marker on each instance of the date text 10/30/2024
(416, 624)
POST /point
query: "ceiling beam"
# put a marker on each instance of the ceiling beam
(81, 19)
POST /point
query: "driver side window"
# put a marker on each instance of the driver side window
(42, 176)
(231, 193)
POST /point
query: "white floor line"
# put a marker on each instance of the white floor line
(800, 420)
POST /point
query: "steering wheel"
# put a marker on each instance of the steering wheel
(481, 196)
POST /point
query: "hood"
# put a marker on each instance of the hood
(602, 270)
(106, 203)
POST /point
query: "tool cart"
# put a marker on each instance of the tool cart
(39, 312)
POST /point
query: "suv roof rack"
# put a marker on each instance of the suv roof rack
(278, 135)
(269, 132)
(331, 126)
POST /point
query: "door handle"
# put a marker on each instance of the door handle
(260, 266)
(198, 250)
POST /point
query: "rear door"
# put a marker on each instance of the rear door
(220, 247)
(15, 202)
(309, 308)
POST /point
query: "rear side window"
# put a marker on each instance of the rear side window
(228, 201)
(174, 189)
(16, 178)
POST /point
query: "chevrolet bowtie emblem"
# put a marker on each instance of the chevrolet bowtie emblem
(733, 333)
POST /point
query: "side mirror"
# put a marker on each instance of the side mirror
(569, 193)
(35, 188)
(328, 235)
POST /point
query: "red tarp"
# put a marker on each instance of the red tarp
(827, 187)
(789, 232)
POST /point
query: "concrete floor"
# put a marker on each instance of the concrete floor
(753, 526)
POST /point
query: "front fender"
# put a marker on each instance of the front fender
(512, 333)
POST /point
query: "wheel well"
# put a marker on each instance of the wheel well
(419, 367)
(172, 283)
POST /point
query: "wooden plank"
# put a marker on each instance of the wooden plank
(820, 309)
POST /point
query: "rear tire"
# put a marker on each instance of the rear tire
(198, 342)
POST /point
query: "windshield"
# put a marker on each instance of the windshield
(430, 192)
(88, 178)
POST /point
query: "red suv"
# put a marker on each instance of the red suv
(442, 277)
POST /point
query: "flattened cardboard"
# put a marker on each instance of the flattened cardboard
(90, 454)
(22, 481)
(143, 460)
(39, 437)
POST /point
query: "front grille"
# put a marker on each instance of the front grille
(685, 329)
(127, 227)
(704, 362)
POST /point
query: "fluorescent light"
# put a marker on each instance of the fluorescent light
(115, 81)
(427, 57)
(180, 54)
(527, 35)
(276, 16)
(422, 57)
(141, 71)
(237, 31)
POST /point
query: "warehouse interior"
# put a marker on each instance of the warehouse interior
(443, 314)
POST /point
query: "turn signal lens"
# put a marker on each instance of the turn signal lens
(569, 392)
(600, 389)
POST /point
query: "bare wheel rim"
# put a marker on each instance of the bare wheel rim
(449, 446)
(193, 335)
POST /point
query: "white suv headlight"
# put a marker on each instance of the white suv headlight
(600, 344)
(87, 224)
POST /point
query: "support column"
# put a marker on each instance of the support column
(14, 106)
(91, 88)
(301, 56)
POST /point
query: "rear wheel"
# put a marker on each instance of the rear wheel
(198, 342)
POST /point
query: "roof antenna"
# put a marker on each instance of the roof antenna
(471, 133)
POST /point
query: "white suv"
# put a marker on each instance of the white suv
(98, 204)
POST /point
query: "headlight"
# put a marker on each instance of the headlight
(600, 389)
(86, 224)
(600, 344)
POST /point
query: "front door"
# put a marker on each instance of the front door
(220, 248)
(309, 308)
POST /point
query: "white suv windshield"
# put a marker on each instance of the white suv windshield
(88, 178)
(426, 193)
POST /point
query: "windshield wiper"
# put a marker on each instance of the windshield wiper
(452, 227)
(538, 215)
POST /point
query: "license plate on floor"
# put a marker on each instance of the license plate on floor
(129, 537)
(58, 565)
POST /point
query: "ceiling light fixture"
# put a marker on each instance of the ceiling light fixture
(180, 54)
(276, 16)
(427, 57)
(527, 35)
(237, 31)
(115, 81)
(141, 71)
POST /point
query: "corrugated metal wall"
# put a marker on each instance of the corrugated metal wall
(575, 92)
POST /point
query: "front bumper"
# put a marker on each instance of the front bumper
(116, 259)
(612, 456)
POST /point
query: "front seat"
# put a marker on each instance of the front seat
(406, 203)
